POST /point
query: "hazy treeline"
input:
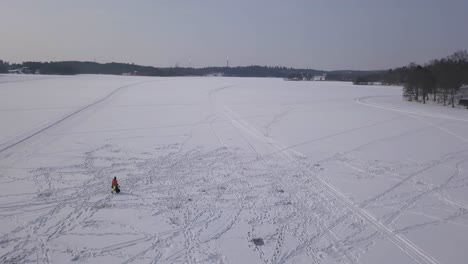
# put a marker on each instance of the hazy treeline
(438, 80)
(77, 67)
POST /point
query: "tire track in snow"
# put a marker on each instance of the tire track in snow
(400, 182)
(409, 114)
(406, 179)
(415, 199)
(276, 119)
(236, 123)
(408, 247)
(212, 101)
(435, 190)
(289, 156)
(67, 116)
(363, 101)
(336, 134)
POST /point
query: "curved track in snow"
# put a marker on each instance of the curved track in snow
(30, 134)
(368, 102)
(234, 170)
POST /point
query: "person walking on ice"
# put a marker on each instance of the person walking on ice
(115, 186)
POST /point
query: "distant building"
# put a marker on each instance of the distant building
(23, 70)
(215, 74)
(320, 77)
(463, 92)
(463, 95)
(305, 77)
(133, 73)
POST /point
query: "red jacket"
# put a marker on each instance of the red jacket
(114, 182)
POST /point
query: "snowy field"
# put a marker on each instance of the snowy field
(228, 170)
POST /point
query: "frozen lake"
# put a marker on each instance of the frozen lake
(228, 170)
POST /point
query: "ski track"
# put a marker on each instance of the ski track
(200, 196)
(30, 134)
(400, 241)
(365, 101)
(242, 125)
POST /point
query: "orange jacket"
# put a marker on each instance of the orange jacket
(114, 182)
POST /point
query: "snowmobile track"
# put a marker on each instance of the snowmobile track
(409, 248)
(11, 145)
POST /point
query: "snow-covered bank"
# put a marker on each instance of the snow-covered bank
(228, 170)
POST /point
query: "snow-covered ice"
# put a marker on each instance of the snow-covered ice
(228, 170)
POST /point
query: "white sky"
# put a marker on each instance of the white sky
(321, 34)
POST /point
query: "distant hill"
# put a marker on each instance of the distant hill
(86, 67)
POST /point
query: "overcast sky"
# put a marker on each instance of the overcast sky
(322, 34)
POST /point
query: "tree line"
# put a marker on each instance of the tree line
(4, 66)
(439, 80)
(79, 67)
